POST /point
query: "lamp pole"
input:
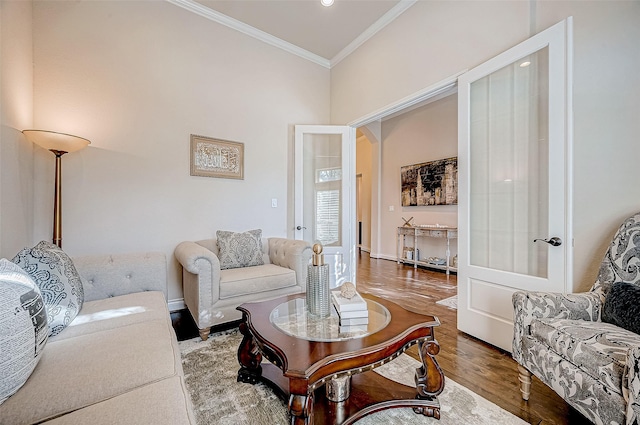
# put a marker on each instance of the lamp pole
(57, 199)
(59, 144)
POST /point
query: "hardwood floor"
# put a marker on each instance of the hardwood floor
(483, 368)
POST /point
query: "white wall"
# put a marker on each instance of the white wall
(363, 168)
(16, 106)
(433, 40)
(137, 78)
(421, 135)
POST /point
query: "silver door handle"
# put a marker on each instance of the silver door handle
(300, 227)
(554, 241)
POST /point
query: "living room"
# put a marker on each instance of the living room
(138, 78)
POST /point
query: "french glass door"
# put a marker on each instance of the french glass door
(514, 185)
(325, 195)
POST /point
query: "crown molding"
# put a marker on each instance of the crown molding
(227, 21)
(385, 20)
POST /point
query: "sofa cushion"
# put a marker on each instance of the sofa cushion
(240, 249)
(114, 312)
(23, 329)
(165, 402)
(58, 280)
(97, 366)
(599, 349)
(622, 306)
(251, 280)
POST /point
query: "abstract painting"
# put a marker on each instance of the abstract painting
(430, 183)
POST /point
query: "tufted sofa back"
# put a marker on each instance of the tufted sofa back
(621, 262)
(105, 276)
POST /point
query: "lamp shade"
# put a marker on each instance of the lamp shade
(56, 141)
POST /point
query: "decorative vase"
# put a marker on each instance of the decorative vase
(318, 293)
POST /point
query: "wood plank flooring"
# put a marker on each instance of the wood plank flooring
(483, 368)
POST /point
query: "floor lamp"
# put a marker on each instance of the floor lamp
(59, 144)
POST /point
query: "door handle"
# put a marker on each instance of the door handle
(554, 241)
(300, 227)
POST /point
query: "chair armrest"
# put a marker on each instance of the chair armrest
(547, 305)
(200, 281)
(292, 254)
(188, 253)
(631, 386)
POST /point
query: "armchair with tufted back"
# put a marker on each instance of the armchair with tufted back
(562, 340)
(212, 293)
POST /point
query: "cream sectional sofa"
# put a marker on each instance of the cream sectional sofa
(212, 294)
(118, 361)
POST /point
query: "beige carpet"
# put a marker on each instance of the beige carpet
(211, 369)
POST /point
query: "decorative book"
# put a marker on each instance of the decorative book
(353, 314)
(342, 304)
(353, 330)
(354, 321)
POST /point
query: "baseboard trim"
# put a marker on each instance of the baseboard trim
(175, 305)
(385, 257)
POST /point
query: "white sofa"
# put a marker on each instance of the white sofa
(118, 361)
(212, 294)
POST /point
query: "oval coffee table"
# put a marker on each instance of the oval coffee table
(308, 354)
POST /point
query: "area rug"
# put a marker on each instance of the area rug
(211, 368)
(451, 302)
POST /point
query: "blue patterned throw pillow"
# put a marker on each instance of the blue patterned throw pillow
(24, 331)
(622, 306)
(240, 249)
(59, 282)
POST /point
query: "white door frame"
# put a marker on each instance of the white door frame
(484, 311)
(442, 88)
(348, 247)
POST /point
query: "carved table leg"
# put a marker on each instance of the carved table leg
(249, 357)
(300, 409)
(524, 376)
(429, 378)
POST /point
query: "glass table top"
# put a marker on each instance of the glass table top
(293, 318)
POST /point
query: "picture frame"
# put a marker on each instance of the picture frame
(430, 183)
(216, 158)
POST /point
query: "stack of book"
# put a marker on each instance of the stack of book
(353, 313)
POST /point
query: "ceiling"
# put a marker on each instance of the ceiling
(326, 32)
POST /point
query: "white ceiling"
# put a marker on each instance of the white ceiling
(326, 32)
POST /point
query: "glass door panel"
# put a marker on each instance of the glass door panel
(322, 188)
(509, 167)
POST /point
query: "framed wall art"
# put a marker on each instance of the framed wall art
(216, 158)
(430, 183)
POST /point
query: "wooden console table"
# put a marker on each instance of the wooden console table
(425, 231)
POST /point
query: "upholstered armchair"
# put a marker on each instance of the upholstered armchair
(562, 340)
(214, 286)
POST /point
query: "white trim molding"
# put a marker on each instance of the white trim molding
(385, 20)
(175, 305)
(227, 21)
(205, 12)
(446, 86)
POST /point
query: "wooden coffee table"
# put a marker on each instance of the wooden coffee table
(306, 354)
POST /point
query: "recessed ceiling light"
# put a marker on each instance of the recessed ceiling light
(525, 64)
(326, 3)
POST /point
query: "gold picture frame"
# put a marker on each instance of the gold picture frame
(216, 158)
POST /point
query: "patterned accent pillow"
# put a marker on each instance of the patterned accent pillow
(24, 331)
(58, 280)
(240, 249)
(622, 306)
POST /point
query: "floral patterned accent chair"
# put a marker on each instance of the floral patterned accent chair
(562, 340)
